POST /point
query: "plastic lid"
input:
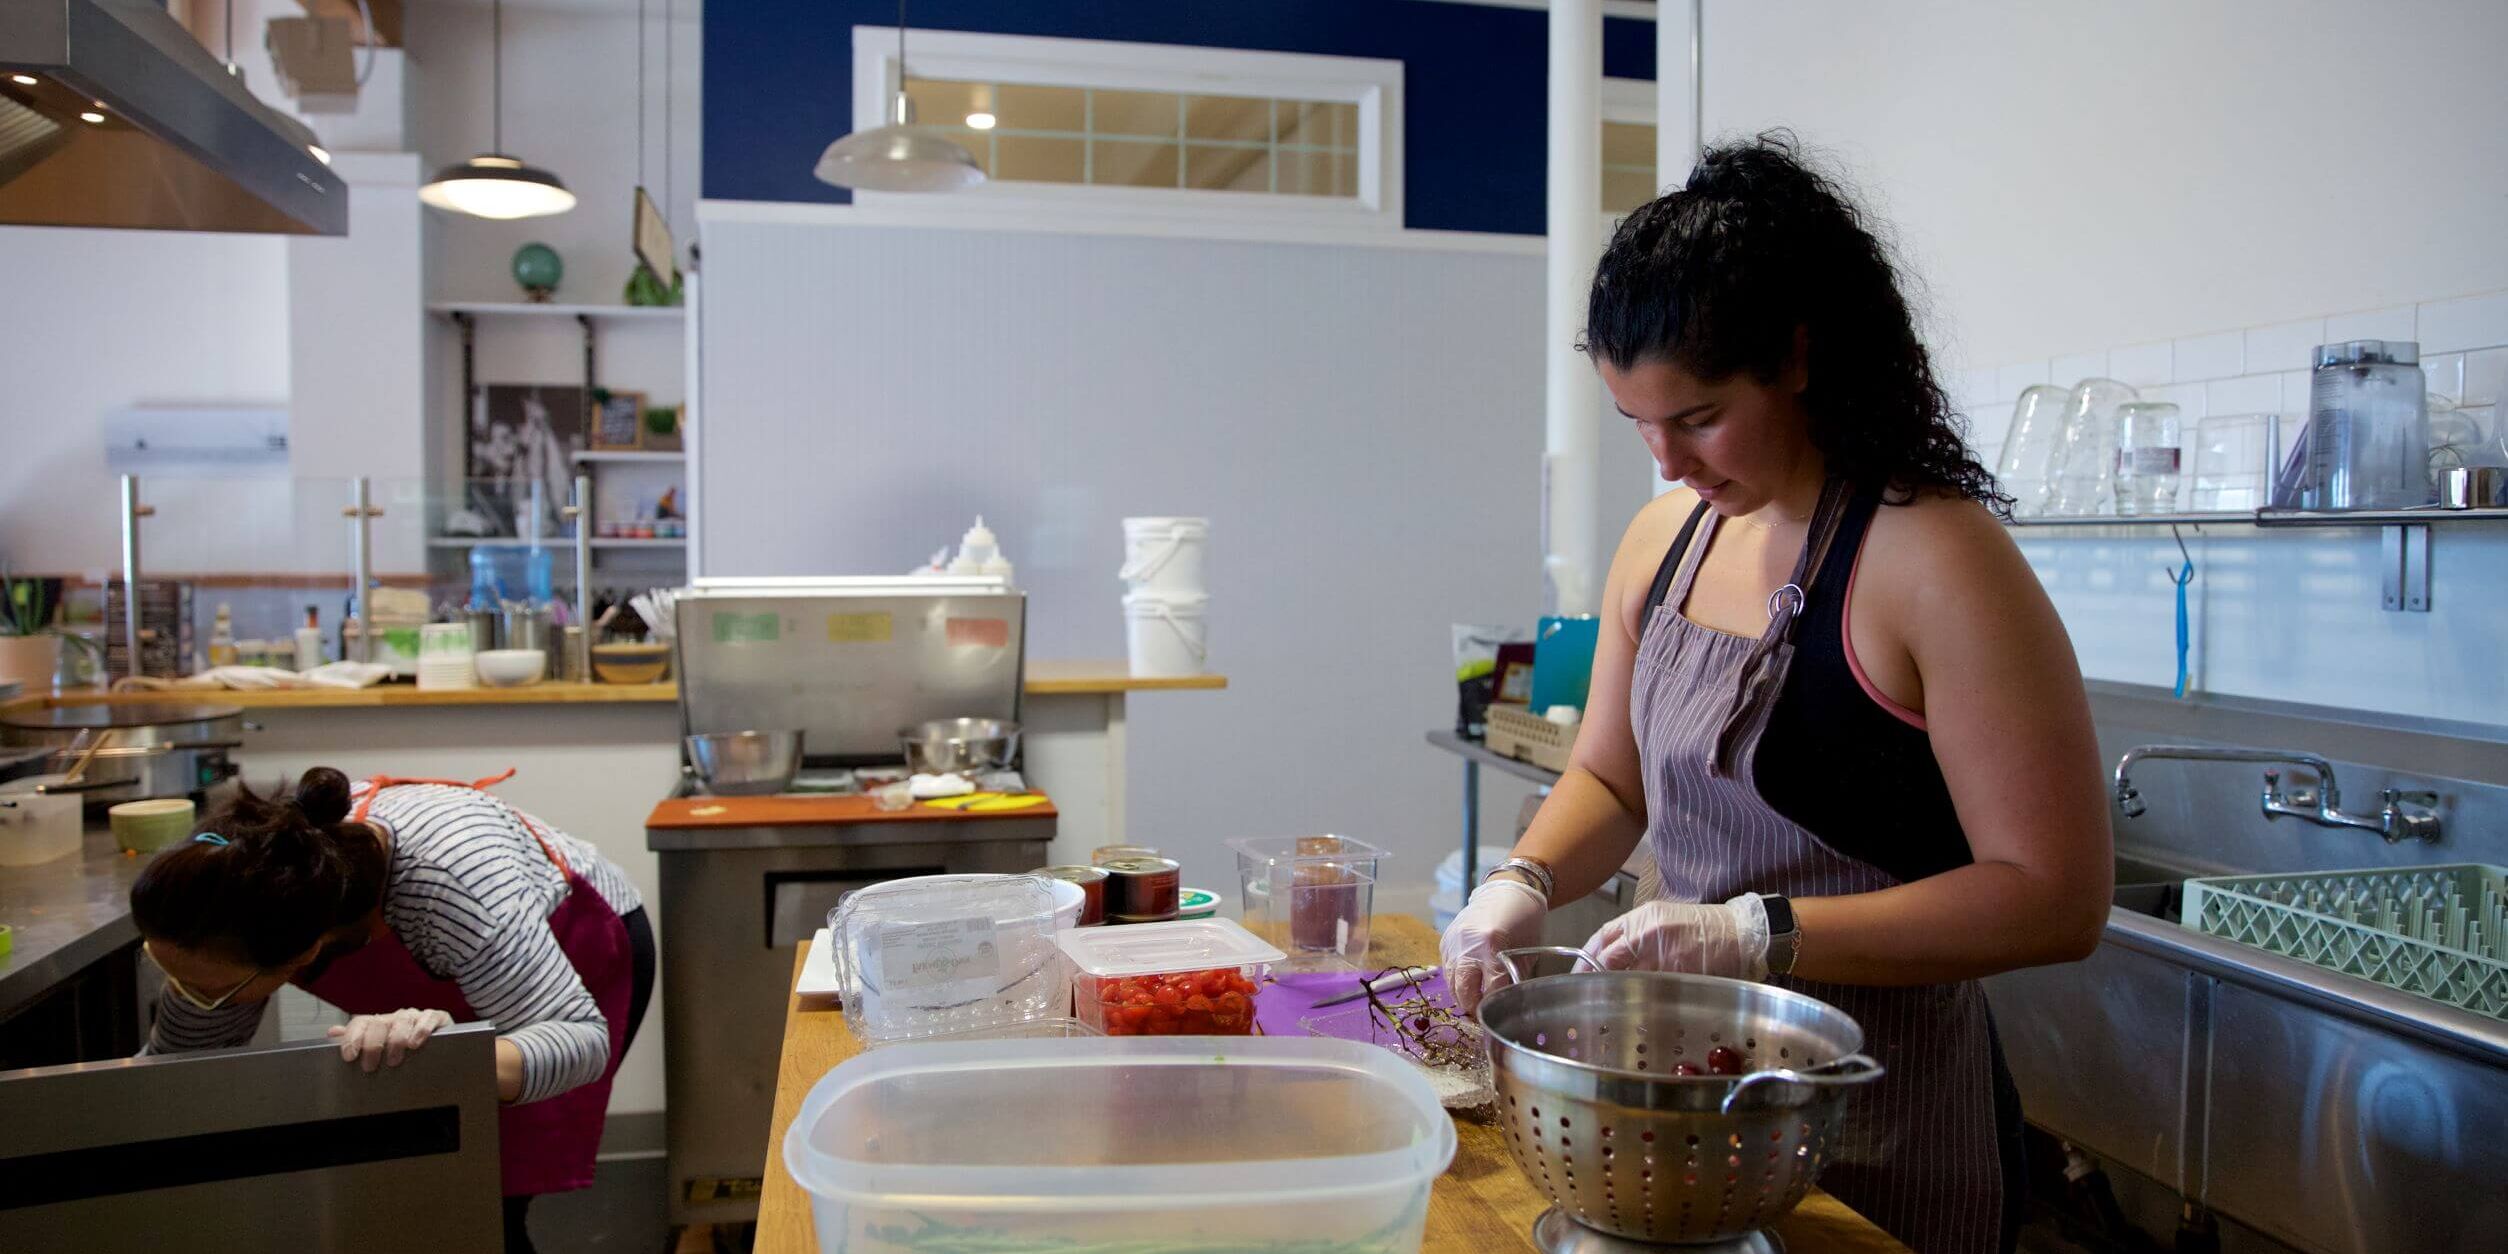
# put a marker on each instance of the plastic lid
(1197, 903)
(1311, 849)
(1155, 948)
(2369, 352)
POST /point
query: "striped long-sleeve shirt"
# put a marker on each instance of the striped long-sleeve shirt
(469, 893)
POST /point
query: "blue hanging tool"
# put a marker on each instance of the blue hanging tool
(2182, 576)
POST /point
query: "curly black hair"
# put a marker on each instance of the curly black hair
(1717, 277)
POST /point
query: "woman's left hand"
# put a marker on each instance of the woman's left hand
(374, 1041)
(1729, 940)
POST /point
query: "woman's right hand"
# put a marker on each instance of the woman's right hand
(1504, 913)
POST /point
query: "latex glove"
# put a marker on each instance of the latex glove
(1504, 913)
(1702, 938)
(373, 1041)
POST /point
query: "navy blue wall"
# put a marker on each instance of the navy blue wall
(779, 83)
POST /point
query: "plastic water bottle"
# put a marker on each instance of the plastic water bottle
(2149, 447)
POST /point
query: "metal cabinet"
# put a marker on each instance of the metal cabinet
(2097, 1049)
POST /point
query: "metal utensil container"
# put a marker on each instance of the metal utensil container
(1593, 1114)
(963, 745)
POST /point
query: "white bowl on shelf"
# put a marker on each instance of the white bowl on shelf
(511, 668)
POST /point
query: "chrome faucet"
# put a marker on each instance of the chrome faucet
(2404, 815)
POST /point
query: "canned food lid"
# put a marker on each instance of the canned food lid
(1197, 903)
(1142, 866)
(1074, 874)
(1157, 948)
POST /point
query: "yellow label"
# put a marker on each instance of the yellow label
(859, 628)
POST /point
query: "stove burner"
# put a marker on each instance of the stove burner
(1555, 1233)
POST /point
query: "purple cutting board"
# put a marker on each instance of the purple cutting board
(1280, 1005)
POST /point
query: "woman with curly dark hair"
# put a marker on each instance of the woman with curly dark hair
(1829, 696)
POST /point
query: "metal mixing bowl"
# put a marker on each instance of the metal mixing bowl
(1582, 1064)
(745, 763)
(964, 745)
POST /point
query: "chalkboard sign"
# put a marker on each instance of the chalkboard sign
(618, 421)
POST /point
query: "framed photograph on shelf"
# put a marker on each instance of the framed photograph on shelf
(521, 435)
(617, 421)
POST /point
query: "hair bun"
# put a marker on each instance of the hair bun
(322, 793)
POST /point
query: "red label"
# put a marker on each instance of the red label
(990, 633)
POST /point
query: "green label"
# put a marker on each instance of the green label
(730, 628)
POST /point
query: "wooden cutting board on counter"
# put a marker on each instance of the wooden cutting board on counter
(809, 810)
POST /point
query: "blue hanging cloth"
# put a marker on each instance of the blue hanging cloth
(2182, 576)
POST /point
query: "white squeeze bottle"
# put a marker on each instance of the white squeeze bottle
(309, 641)
(977, 547)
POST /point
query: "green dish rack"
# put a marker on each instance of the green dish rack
(2434, 931)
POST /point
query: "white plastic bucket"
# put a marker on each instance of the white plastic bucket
(1165, 554)
(1169, 635)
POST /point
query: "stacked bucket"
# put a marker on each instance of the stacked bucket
(1165, 607)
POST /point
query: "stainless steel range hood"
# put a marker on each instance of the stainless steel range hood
(112, 115)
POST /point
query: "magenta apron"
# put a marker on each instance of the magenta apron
(548, 1145)
(1919, 1155)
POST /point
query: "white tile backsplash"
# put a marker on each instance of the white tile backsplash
(2295, 385)
(1977, 387)
(2445, 373)
(2072, 368)
(2187, 397)
(2398, 323)
(2283, 345)
(2210, 357)
(2009, 380)
(2142, 365)
(2447, 326)
(2486, 377)
(2250, 394)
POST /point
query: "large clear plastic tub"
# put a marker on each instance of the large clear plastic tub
(1168, 1143)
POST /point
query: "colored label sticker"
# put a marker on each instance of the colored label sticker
(990, 633)
(736, 628)
(941, 963)
(860, 628)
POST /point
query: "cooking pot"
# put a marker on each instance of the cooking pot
(159, 749)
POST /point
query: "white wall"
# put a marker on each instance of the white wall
(570, 107)
(2069, 177)
(1362, 425)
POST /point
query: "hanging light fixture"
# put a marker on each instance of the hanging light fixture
(980, 109)
(898, 157)
(492, 184)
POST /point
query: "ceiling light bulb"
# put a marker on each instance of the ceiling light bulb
(320, 153)
(492, 185)
(91, 116)
(23, 80)
(980, 121)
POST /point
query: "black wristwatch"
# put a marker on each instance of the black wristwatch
(1785, 936)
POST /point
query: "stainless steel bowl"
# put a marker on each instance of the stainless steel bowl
(961, 744)
(745, 763)
(1593, 1114)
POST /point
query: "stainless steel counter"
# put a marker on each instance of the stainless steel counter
(67, 913)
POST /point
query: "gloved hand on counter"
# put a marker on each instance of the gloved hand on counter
(1504, 913)
(383, 1040)
(1701, 938)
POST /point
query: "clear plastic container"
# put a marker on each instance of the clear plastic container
(922, 957)
(2368, 428)
(1311, 895)
(1272, 1143)
(1192, 977)
(2150, 452)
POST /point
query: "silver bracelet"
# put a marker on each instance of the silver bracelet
(1540, 875)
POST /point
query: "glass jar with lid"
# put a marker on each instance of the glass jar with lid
(2368, 428)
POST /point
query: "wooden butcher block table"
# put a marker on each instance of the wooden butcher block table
(1481, 1205)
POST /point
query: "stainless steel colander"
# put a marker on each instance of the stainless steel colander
(1583, 1065)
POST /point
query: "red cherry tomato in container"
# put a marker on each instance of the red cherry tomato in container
(1181, 1003)
(1726, 1060)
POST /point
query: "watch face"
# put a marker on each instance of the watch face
(1780, 915)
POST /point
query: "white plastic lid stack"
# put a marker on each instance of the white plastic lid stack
(1158, 948)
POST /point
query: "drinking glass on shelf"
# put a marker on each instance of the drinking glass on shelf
(2149, 449)
(2086, 468)
(2026, 469)
(2231, 461)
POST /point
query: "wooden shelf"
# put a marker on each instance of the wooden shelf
(523, 309)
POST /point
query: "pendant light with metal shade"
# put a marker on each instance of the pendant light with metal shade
(898, 157)
(492, 184)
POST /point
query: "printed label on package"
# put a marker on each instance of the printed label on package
(940, 963)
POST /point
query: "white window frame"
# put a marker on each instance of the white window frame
(1375, 86)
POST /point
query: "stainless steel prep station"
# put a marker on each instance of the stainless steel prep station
(746, 879)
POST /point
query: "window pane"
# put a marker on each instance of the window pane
(1127, 163)
(1229, 169)
(1227, 117)
(1146, 113)
(1319, 173)
(1024, 108)
(1027, 159)
(1628, 143)
(939, 103)
(1344, 119)
(1625, 190)
(1302, 122)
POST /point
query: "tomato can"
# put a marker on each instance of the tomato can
(1092, 882)
(1104, 854)
(1143, 890)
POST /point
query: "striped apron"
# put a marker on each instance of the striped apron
(1919, 1154)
